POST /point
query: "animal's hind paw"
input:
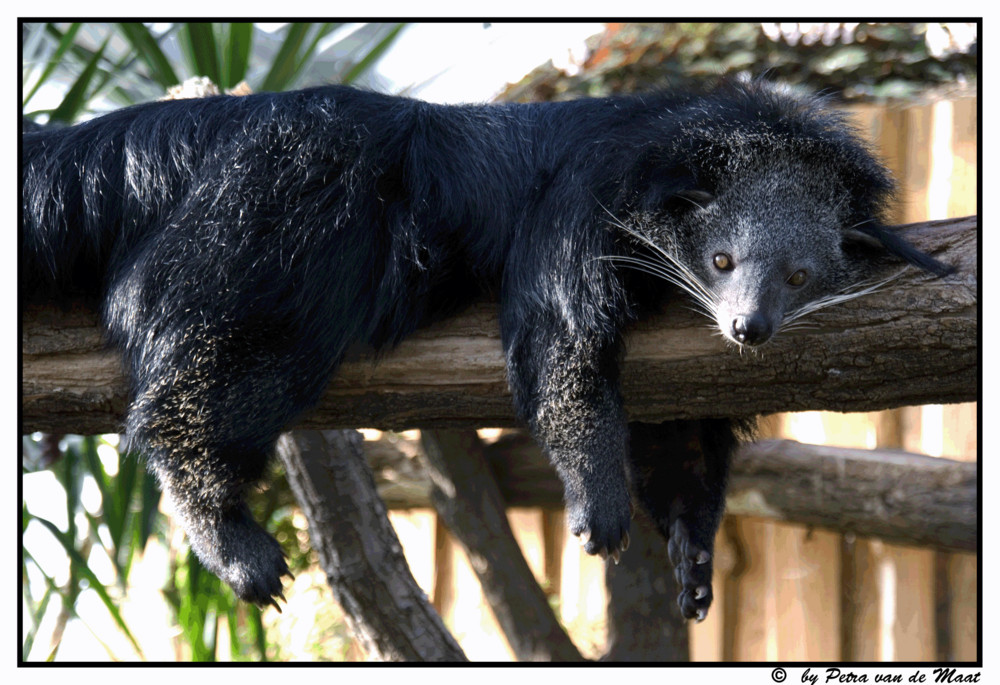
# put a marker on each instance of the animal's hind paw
(258, 582)
(693, 571)
(247, 558)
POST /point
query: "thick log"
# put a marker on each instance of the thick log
(466, 496)
(359, 551)
(914, 342)
(644, 623)
(897, 496)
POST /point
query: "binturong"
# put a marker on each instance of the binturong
(766, 223)
(239, 246)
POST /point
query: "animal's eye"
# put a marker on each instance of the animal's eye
(722, 261)
(797, 278)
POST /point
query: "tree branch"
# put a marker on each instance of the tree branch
(359, 551)
(915, 342)
(644, 623)
(467, 499)
(900, 497)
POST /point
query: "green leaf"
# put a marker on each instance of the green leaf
(88, 450)
(68, 475)
(80, 565)
(199, 40)
(149, 502)
(149, 52)
(310, 52)
(373, 55)
(197, 591)
(52, 62)
(75, 98)
(37, 611)
(115, 498)
(257, 633)
(283, 70)
(237, 55)
(234, 636)
(121, 501)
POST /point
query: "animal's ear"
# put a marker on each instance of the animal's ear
(873, 236)
(854, 237)
(661, 182)
(694, 196)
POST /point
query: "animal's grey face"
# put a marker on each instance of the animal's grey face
(760, 251)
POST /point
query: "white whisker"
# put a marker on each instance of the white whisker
(851, 293)
(704, 299)
(660, 263)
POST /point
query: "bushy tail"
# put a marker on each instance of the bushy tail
(89, 189)
(92, 191)
(57, 252)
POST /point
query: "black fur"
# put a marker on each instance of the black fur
(239, 245)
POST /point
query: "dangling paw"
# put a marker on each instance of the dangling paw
(693, 571)
(244, 555)
(602, 526)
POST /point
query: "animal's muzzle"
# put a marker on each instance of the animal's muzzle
(751, 329)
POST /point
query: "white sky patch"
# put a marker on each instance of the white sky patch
(467, 62)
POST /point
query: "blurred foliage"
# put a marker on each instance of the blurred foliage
(119, 528)
(845, 60)
(104, 65)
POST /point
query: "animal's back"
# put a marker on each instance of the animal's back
(94, 192)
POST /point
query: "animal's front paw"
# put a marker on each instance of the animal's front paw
(601, 524)
(246, 557)
(693, 571)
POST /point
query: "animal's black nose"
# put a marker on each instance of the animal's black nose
(751, 329)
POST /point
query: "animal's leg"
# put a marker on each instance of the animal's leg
(566, 389)
(207, 415)
(678, 470)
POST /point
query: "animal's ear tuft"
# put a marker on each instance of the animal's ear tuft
(695, 196)
(882, 238)
(853, 236)
(657, 178)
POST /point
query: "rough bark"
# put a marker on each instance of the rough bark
(915, 342)
(644, 623)
(359, 551)
(900, 497)
(896, 496)
(465, 495)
